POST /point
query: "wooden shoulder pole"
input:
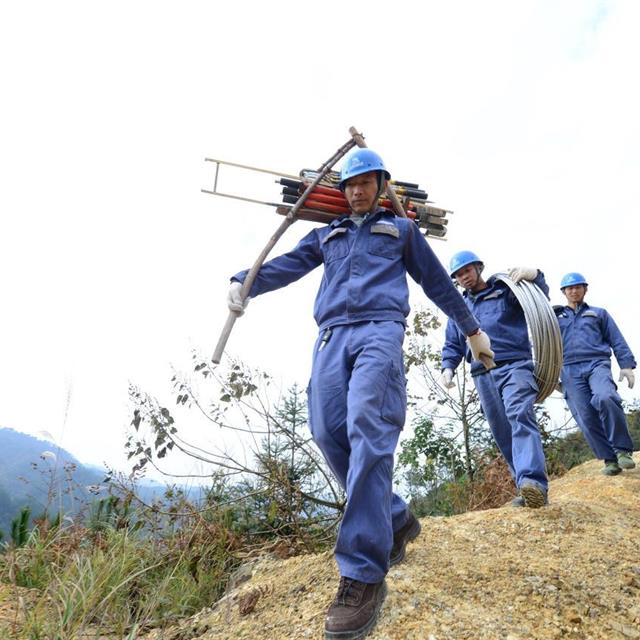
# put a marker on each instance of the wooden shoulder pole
(355, 139)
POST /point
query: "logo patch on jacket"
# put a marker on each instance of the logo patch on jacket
(494, 294)
(385, 227)
(336, 232)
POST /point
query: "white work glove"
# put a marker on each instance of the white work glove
(234, 298)
(480, 346)
(523, 273)
(629, 375)
(446, 379)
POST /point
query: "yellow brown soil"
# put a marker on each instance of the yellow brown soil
(15, 602)
(568, 570)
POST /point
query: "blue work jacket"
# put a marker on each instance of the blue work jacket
(501, 318)
(365, 271)
(590, 333)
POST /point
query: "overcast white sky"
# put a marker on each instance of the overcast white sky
(522, 117)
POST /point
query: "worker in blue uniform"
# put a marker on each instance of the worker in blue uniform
(357, 394)
(507, 392)
(589, 334)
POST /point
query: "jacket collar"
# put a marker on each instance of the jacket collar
(582, 307)
(376, 215)
(492, 284)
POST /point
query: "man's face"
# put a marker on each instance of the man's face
(468, 276)
(361, 192)
(575, 293)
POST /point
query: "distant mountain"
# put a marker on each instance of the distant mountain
(43, 476)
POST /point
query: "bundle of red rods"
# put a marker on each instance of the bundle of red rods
(327, 202)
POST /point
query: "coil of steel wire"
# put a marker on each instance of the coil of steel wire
(544, 332)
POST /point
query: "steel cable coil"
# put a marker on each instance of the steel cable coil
(544, 332)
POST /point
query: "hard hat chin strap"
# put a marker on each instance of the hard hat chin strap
(381, 188)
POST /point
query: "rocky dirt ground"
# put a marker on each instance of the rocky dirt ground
(14, 603)
(568, 570)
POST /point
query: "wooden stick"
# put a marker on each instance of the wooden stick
(356, 139)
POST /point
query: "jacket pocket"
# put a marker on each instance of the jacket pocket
(491, 305)
(384, 240)
(335, 245)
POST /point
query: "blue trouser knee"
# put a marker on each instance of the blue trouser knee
(507, 395)
(594, 402)
(357, 407)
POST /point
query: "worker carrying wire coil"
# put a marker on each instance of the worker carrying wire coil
(544, 333)
(514, 312)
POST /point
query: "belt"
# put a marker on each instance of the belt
(481, 370)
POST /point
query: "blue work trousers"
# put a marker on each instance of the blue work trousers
(507, 395)
(357, 408)
(594, 402)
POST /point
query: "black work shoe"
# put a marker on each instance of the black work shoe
(355, 609)
(534, 495)
(410, 531)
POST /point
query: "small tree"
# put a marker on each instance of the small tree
(456, 414)
(273, 466)
(451, 443)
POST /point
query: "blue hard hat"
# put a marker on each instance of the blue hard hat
(571, 279)
(462, 259)
(361, 161)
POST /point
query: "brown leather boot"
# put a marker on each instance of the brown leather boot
(402, 537)
(354, 611)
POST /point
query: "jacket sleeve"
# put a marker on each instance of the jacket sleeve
(542, 283)
(287, 268)
(614, 337)
(454, 348)
(424, 267)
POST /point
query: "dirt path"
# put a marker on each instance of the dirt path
(569, 570)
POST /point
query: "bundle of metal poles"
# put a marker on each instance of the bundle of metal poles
(543, 331)
(313, 195)
(327, 202)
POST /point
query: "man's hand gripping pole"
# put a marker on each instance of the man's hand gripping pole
(291, 217)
